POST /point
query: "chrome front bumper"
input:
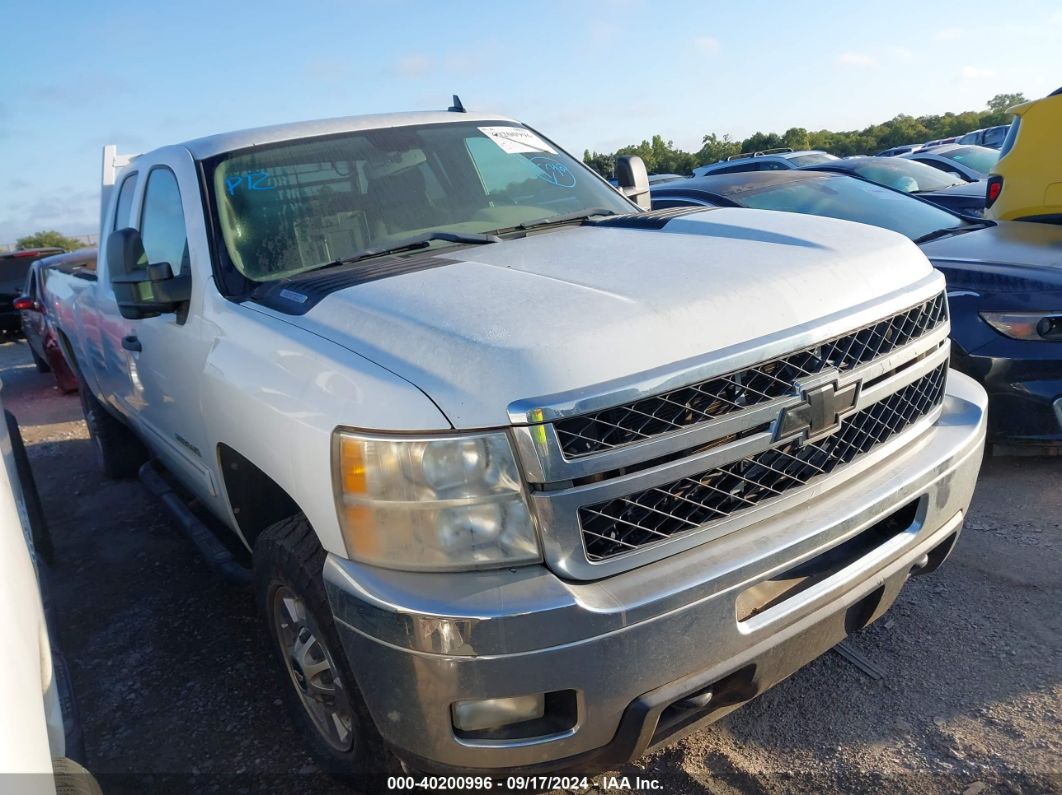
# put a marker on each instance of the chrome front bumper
(629, 647)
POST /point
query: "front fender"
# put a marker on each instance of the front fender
(275, 393)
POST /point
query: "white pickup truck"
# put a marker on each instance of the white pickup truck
(532, 479)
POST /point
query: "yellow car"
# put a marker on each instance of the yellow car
(1026, 182)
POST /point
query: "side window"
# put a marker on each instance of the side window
(123, 212)
(750, 166)
(772, 165)
(162, 221)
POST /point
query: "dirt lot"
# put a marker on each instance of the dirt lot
(176, 694)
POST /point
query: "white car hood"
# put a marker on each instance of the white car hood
(578, 306)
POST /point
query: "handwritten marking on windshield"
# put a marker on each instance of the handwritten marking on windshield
(554, 172)
(256, 180)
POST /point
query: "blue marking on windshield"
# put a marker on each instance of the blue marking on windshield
(554, 172)
(256, 180)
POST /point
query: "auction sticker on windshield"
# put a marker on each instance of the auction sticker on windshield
(517, 140)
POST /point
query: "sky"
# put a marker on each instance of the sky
(592, 75)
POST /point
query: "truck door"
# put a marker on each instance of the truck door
(100, 326)
(167, 353)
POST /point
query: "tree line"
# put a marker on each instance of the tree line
(48, 238)
(662, 157)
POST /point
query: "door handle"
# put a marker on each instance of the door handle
(131, 343)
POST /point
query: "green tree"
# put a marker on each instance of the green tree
(660, 156)
(714, 149)
(603, 164)
(759, 141)
(1000, 102)
(47, 238)
(796, 138)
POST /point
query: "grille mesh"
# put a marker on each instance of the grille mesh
(696, 403)
(627, 523)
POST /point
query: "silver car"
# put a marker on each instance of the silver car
(766, 160)
(972, 163)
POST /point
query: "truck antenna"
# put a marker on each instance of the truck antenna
(457, 107)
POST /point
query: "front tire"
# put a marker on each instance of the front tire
(118, 452)
(320, 692)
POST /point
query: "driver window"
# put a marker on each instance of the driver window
(162, 221)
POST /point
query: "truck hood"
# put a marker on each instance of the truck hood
(578, 306)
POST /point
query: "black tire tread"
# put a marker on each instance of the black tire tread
(41, 364)
(291, 550)
(119, 451)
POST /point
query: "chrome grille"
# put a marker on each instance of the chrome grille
(647, 517)
(690, 405)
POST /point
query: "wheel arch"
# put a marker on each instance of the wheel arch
(256, 500)
(67, 350)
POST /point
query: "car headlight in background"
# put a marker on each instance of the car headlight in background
(1042, 326)
(432, 503)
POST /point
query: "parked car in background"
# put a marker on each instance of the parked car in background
(898, 150)
(972, 163)
(38, 312)
(14, 265)
(938, 142)
(992, 137)
(531, 478)
(909, 176)
(767, 160)
(653, 179)
(1026, 182)
(1004, 282)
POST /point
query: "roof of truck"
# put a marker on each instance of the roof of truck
(212, 145)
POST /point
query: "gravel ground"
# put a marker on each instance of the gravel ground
(176, 693)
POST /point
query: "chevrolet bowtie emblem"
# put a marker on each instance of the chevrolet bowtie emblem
(822, 407)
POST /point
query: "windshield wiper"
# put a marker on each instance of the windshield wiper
(411, 244)
(948, 231)
(579, 215)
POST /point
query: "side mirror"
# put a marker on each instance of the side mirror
(141, 289)
(26, 304)
(633, 180)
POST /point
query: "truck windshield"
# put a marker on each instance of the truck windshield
(295, 206)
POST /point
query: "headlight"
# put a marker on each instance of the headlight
(1043, 326)
(432, 503)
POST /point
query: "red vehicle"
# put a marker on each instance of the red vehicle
(38, 325)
